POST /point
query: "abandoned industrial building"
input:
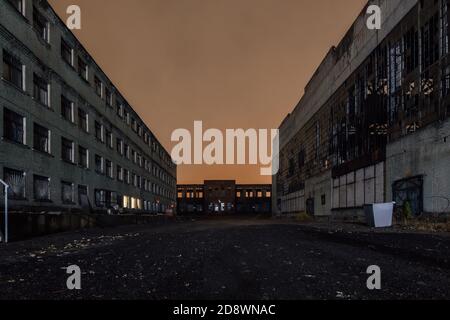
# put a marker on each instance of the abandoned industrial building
(224, 197)
(374, 122)
(69, 139)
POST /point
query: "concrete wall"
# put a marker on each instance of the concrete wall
(427, 153)
(18, 37)
(339, 64)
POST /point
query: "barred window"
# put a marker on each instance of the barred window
(12, 70)
(13, 126)
(41, 138)
(15, 179)
(41, 186)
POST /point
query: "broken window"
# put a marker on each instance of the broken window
(41, 186)
(411, 40)
(12, 70)
(444, 28)
(395, 66)
(14, 126)
(430, 44)
(41, 138)
(15, 179)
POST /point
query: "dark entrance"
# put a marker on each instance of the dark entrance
(409, 190)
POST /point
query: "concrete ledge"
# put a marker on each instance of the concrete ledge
(27, 225)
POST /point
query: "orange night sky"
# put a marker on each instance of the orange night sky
(229, 63)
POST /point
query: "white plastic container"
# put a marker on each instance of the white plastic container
(379, 215)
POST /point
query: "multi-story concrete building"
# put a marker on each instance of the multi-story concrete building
(373, 124)
(69, 139)
(224, 197)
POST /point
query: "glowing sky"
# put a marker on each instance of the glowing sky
(229, 63)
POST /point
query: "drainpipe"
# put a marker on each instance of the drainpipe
(6, 209)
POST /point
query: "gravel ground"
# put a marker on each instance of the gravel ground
(228, 259)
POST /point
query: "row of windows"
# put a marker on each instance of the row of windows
(13, 72)
(16, 179)
(239, 194)
(41, 87)
(15, 130)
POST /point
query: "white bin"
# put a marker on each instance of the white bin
(379, 215)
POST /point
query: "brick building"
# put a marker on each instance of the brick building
(69, 139)
(223, 197)
(373, 124)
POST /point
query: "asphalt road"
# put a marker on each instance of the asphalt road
(232, 259)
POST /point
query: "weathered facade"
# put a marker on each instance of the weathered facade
(373, 124)
(69, 139)
(223, 197)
